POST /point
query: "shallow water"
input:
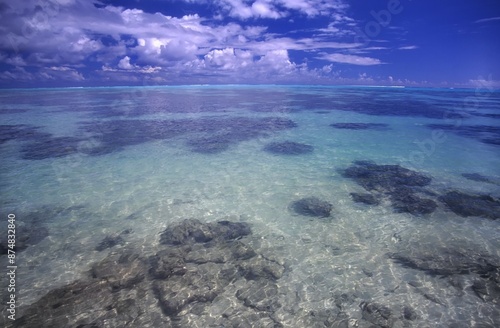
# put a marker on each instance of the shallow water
(82, 164)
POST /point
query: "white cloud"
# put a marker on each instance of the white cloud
(365, 78)
(178, 50)
(276, 62)
(124, 63)
(61, 68)
(408, 48)
(226, 59)
(15, 60)
(482, 83)
(265, 10)
(484, 20)
(247, 9)
(54, 73)
(350, 59)
(71, 34)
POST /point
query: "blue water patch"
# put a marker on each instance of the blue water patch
(487, 134)
(288, 148)
(360, 126)
(294, 206)
(20, 132)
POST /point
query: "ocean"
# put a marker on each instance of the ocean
(251, 206)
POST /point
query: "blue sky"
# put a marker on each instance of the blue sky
(149, 42)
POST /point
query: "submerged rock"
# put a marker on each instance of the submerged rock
(108, 242)
(207, 135)
(210, 145)
(260, 295)
(20, 132)
(454, 262)
(195, 265)
(472, 205)
(384, 178)
(409, 313)
(50, 147)
(488, 134)
(488, 290)
(112, 240)
(106, 298)
(379, 315)
(201, 284)
(193, 231)
(448, 262)
(259, 267)
(167, 263)
(30, 235)
(121, 270)
(367, 199)
(477, 177)
(204, 259)
(399, 184)
(312, 206)
(31, 227)
(404, 200)
(288, 148)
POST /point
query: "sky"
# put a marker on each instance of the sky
(57, 43)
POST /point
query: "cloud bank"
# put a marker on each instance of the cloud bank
(94, 42)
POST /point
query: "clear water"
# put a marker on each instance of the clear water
(147, 182)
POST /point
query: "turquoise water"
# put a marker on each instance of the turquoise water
(82, 164)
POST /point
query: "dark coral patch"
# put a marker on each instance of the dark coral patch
(210, 145)
(194, 266)
(20, 132)
(50, 147)
(288, 148)
(487, 134)
(404, 200)
(481, 178)
(360, 126)
(472, 205)
(312, 206)
(31, 226)
(384, 177)
(447, 262)
(489, 115)
(112, 240)
(450, 262)
(194, 231)
(399, 184)
(7, 111)
(217, 135)
(367, 199)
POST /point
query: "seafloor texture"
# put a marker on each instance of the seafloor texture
(261, 206)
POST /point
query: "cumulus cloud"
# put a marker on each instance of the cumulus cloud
(246, 9)
(228, 59)
(482, 83)
(68, 39)
(260, 8)
(124, 63)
